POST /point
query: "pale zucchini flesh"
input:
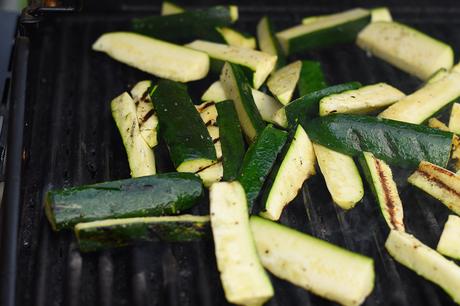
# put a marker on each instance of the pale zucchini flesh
(454, 119)
(214, 93)
(449, 243)
(140, 156)
(169, 8)
(297, 166)
(268, 42)
(406, 48)
(438, 75)
(437, 124)
(381, 14)
(341, 175)
(364, 100)
(244, 280)
(283, 82)
(313, 264)
(154, 56)
(211, 174)
(237, 39)
(438, 182)
(148, 121)
(259, 62)
(423, 103)
(426, 262)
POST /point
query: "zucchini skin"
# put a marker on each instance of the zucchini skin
(259, 161)
(281, 61)
(306, 107)
(311, 78)
(181, 27)
(231, 139)
(135, 230)
(156, 195)
(398, 143)
(189, 139)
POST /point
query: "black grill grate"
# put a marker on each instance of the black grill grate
(70, 139)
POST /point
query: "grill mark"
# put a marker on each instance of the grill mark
(211, 122)
(436, 168)
(219, 160)
(202, 107)
(216, 140)
(390, 204)
(149, 114)
(144, 96)
(438, 182)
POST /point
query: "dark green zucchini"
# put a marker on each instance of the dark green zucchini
(114, 233)
(189, 25)
(185, 134)
(397, 143)
(306, 107)
(259, 160)
(231, 139)
(156, 195)
(311, 78)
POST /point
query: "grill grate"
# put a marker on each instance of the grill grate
(70, 139)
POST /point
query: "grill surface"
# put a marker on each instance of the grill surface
(70, 139)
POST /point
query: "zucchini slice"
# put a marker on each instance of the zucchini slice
(298, 164)
(146, 115)
(190, 146)
(140, 156)
(170, 8)
(436, 124)
(438, 75)
(381, 14)
(313, 264)
(154, 56)
(311, 78)
(259, 160)
(425, 102)
(215, 93)
(260, 63)
(237, 39)
(324, 31)
(156, 195)
(341, 175)
(283, 82)
(115, 233)
(211, 174)
(244, 280)
(438, 182)
(364, 100)
(306, 107)
(426, 262)
(449, 243)
(237, 88)
(268, 42)
(406, 48)
(187, 25)
(454, 119)
(380, 179)
(395, 142)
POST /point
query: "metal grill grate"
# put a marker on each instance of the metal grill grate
(70, 139)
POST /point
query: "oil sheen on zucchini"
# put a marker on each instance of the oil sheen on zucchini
(156, 195)
(114, 233)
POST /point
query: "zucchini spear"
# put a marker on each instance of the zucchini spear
(449, 243)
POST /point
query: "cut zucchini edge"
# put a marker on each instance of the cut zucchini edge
(313, 264)
(454, 119)
(449, 242)
(381, 14)
(169, 8)
(237, 39)
(283, 82)
(268, 42)
(424, 261)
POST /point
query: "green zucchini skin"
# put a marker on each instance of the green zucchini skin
(311, 78)
(186, 26)
(231, 139)
(115, 233)
(259, 161)
(398, 143)
(181, 126)
(306, 107)
(156, 195)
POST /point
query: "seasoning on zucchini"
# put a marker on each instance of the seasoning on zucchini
(237, 88)
(406, 48)
(311, 78)
(259, 160)
(170, 8)
(438, 182)
(146, 115)
(424, 261)
(449, 242)
(380, 179)
(454, 119)
(298, 164)
(364, 100)
(244, 280)
(397, 143)
(162, 59)
(268, 42)
(381, 14)
(341, 175)
(237, 39)
(156, 195)
(313, 264)
(115, 233)
(187, 25)
(425, 102)
(185, 134)
(140, 156)
(325, 31)
(283, 82)
(260, 63)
